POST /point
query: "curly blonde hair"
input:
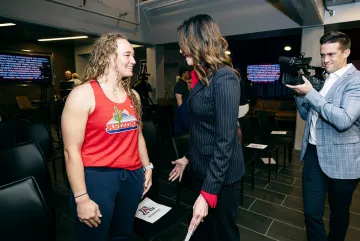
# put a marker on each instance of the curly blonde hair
(200, 38)
(99, 63)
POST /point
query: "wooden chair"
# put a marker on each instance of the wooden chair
(24, 103)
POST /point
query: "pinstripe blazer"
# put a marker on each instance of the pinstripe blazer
(215, 154)
(338, 126)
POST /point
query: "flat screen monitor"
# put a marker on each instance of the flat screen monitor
(25, 68)
(263, 73)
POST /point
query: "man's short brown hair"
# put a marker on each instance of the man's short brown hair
(336, 37)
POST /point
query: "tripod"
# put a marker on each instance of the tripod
(45, 83)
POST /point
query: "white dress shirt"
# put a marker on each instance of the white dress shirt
(329, 82)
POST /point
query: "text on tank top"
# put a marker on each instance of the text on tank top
(111, 135)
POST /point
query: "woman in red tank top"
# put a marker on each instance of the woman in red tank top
(106, 158)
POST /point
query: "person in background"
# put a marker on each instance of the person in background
(143, 87)
(66, 86)
(189, 84)
(149, 90)
(331, 142)
(106, 157)
(76, 79)
(68, 75)
(215, 153)
(181, 95)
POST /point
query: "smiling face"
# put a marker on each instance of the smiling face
(125, 61)
(333, 57)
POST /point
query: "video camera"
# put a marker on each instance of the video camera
(143, 76)
(141, 80)
(143, 88)
(45, 70)
(292, 75)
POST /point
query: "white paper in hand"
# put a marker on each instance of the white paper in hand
(256, 146)
(188, 236)
(150, 211)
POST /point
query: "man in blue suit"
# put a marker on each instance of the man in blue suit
(331, 141)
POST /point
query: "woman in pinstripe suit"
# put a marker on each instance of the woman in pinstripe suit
(215, 154)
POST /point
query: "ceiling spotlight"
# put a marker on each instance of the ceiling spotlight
(137, 45)
(7, 24)
(65, 38)
(287, 48)
(227, 52)
(26, 50)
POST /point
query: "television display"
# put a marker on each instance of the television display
(263, 73)
(20, 68)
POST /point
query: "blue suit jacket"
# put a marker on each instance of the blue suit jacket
(338, 126)
(215, 154)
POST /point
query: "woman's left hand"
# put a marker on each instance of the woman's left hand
(200, 211)
(147, 181)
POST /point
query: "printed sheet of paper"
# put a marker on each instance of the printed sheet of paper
(279, 132)
(188, 236)
(266, 160)
(256, 146)
(150, 211)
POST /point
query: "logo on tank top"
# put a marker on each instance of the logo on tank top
(122, 121)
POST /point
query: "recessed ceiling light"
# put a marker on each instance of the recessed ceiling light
(137, 45)
(7, 24)
(287, 48)
(58, 39)
(227, 52)
(26, 50)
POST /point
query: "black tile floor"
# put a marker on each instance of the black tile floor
(272, 211)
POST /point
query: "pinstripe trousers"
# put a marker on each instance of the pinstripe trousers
(220, 224)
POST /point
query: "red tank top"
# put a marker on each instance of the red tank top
(111, 135)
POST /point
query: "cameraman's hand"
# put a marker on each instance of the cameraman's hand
(301, 89)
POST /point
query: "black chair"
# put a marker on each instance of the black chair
(152, 144)
(160, 117)
(3, 113)
(249, 159)
(7, 135)
(151, 231)
(25, 160)
(181, 144)
(248, 137)
(38, 132)
(24, 213)
(285, 140)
